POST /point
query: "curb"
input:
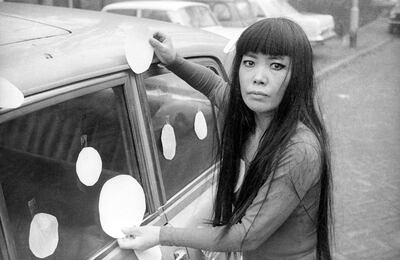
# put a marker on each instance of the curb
(323, 72)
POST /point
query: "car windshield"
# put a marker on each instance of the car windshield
(268, 8)
(245, 12)
(198, 16)
(160, 15)
(131, 12)
(257, 10)
(288, 9)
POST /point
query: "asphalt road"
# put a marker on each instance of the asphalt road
(361, 103)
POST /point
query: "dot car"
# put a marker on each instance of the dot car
(78, 91)
(394, 18)
(318, 27)
(191, 14)
(231, 13)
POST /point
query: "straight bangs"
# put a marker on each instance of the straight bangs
(271, 36)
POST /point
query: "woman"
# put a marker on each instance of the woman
(278, 206)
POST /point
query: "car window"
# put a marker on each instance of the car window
(131, 12)
(200, 17)
(38, 169)
(257, 10)
(172, 101)
(245, 12)
(156, 15)
(222, 12)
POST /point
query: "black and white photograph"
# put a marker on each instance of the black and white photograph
(200, 129)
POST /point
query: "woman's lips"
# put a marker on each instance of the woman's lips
(258, 93)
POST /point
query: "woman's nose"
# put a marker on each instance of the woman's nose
(260, 77)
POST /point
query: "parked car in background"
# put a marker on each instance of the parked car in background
(394, 18)
(231, 13)
(318, 27)
(383, 3)
(78, 91)
(191, 14)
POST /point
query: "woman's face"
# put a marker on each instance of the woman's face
(263, 81)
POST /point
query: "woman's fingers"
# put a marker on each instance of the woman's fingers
(163, 47)
(159, 40)
(140, 238)
(155, 43)
(131, 239)
(130, 231)
(160, 36)
(128, 243)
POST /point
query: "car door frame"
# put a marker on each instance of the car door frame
(144, 144)
(206, 180)
(137, 125)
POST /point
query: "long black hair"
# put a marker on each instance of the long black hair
(281, 37)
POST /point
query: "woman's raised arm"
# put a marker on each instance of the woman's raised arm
(199, 77)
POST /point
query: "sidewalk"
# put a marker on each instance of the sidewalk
(336, 52)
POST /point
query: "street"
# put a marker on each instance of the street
(361, 108)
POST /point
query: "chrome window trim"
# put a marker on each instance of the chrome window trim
(143, 133)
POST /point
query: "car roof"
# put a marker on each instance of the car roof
(156, 5)
(67, 45)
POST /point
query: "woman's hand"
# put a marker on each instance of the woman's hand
(163, 48)
(140, 238)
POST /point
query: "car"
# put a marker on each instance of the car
(78, 91)
(394, 18)
(192, 14)
(383, 3)
(231, 13)
(318, 27)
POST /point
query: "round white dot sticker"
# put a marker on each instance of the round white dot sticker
(138, 51)
(10, 95)
(89, 166)
(43, 235)
(121, 204)
(200, 125)
(168, 141)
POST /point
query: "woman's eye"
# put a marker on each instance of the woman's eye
(277, 66)
(248, 63)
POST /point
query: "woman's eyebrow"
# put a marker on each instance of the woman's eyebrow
(271, 57)
(276, 57)
(251, 54)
